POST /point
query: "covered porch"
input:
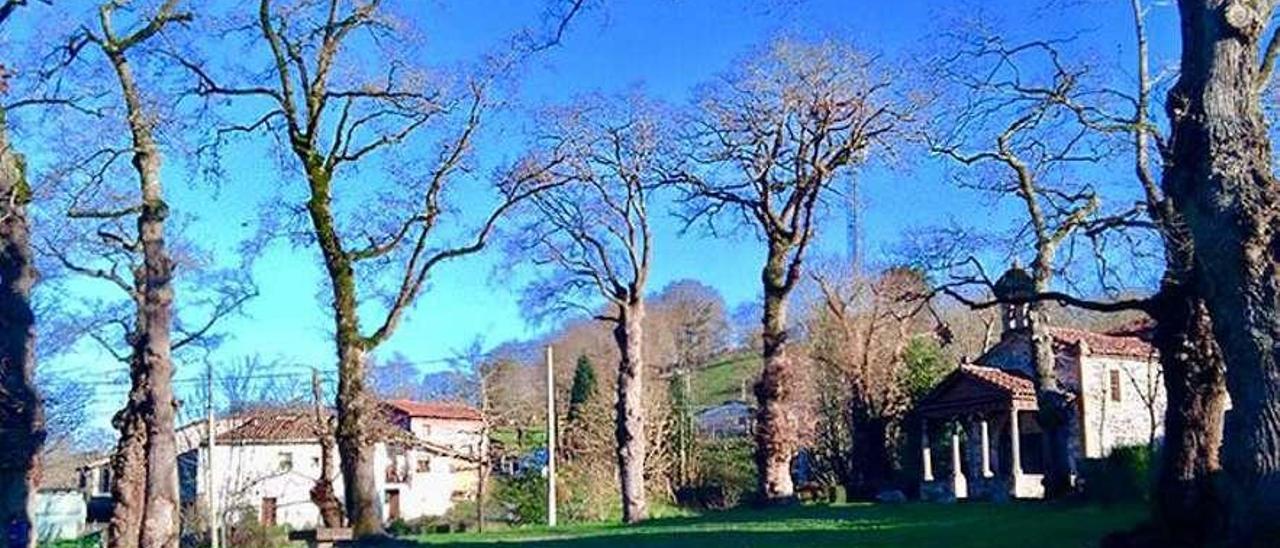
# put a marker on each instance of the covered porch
(979, 438)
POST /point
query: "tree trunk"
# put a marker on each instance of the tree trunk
(160, 526)
(870, 463)
(151, 345)
(356, 407)
(1055, 410)
(1186, 505)
(629, 334)
(775, 433)
(1220, 175)
(322, 494)
(21, 411)
(129, 468)
(356, 414)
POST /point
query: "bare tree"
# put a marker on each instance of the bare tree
(773, 136)
(1186, 502)
(858, 337)
(1018, 132)
(395, 378)
(247, 383)
(21, 412)
(694, 315)
(1220, 180)
(593, 227)
(109, 225)
(480, 372)
(331, 110)
(145, 491)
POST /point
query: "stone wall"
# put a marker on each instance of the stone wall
(1109, 423)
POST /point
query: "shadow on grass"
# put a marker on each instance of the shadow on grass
(960, 525)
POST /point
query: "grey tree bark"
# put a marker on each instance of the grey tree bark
(21, 409)
(1053, 400)
(1221, 179)
(146, 490)
(775, 429)
(22, 422)
(628, 332)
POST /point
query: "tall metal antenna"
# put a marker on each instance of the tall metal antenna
(853, 225)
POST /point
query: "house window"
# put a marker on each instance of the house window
(104, 480)
(1115, 385)
(424, 465)
(286, 461)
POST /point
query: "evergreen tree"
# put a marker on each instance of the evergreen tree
(584, 386)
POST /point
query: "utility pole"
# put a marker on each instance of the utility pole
(551, 441)
(212, 489)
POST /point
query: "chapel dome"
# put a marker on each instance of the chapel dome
(1014, 284)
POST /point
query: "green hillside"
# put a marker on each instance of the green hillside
(723, 378)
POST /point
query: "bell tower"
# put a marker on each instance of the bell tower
(1014, 290)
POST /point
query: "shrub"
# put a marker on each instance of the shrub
(588, 491)
(725, 475)
(523, 498)
(1125, 475)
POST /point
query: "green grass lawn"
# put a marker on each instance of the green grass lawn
(1039, 525)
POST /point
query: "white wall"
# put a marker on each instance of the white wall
(462, 436)
(250, 472)
(59, 515)
(1110, 424)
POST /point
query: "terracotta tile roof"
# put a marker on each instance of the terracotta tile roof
(1016, 385)
(274, 425)
(1129, 341)
(436, 410)
(975, 388)
(295, 425)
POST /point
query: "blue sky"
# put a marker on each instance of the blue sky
(665, 48)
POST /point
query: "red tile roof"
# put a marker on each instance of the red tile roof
(436, 410)
(294, 425)
(975, 388)
(273, 425)
(1015, 385)
(1127, 342)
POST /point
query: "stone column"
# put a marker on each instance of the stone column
(1015, 443)
(926, 456)
(959, 486)
(986, 448)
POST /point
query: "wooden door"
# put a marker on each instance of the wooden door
(269, 511)
(393, 504)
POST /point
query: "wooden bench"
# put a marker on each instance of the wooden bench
(323, 537)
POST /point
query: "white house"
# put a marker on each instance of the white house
(984, 413)
(265, 462)
(730, 419)
(456, 426)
